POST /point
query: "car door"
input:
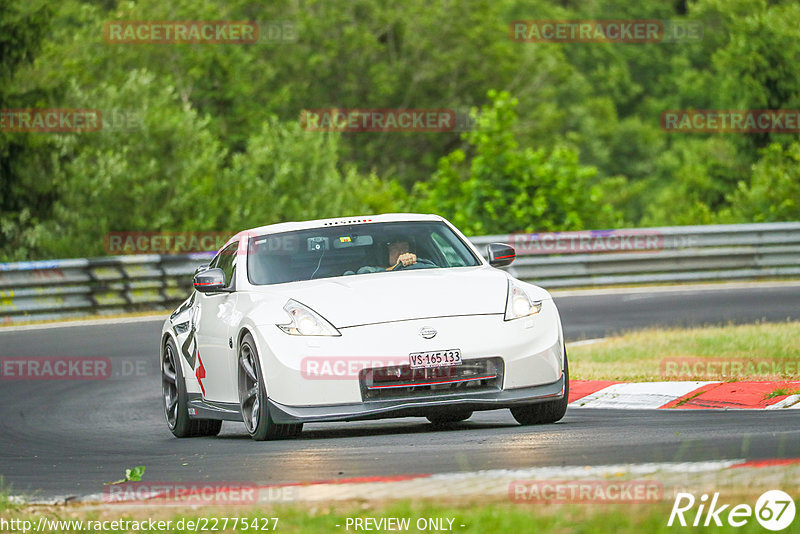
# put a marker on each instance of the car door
(216, 366)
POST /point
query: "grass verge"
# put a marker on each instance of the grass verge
(762, 351)
(780, 392)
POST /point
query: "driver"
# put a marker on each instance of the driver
(399, 255)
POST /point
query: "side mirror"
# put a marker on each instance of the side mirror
(201, 268)
(500, 254)
(209, 280)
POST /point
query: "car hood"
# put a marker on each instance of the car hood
(385, 297)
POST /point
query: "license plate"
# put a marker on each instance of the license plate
(435, 358)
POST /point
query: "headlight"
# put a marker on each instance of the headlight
(306, 322)
(519, 304)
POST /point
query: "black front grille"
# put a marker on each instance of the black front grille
(401, 381)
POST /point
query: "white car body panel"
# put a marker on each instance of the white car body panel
(379, 315)
(527, 364)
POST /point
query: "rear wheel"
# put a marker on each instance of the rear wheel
(173, 390)
(548, 411)
(253, 398)
(444, 418)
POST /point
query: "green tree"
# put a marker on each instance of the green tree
(151, 167)
(582, 146)
(773, 193)
(25, 199)
(288, 173)
(500, 187)
(698, 173)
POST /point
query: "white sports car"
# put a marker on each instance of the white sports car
(391, 315)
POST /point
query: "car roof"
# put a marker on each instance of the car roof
(321, 223)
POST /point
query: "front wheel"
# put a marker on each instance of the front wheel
(548, 411)
(253, 398)
(173, 390)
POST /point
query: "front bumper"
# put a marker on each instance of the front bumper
(531, 351)
(418, 407)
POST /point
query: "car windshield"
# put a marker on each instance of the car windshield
(350, 250)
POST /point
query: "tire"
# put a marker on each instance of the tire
(173, 389)
(253, 398)
(446, 418)
(548, 411)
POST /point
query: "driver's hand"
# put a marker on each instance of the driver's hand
(406, 259)
(409, 258)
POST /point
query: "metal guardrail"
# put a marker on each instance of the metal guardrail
(43, 290)
(54, 289)
(668, 254)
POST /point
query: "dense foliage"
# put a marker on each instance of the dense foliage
(564, 136)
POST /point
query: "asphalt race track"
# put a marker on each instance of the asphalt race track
(600, 315)
(65, 438)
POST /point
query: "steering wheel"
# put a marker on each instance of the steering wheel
(422, 261)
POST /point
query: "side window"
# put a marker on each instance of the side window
(447, 250)
(226, 260)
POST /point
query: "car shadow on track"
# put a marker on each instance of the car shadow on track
(362, 429)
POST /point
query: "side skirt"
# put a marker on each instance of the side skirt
(203, 409)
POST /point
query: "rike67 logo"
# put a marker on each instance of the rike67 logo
(774, 510)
